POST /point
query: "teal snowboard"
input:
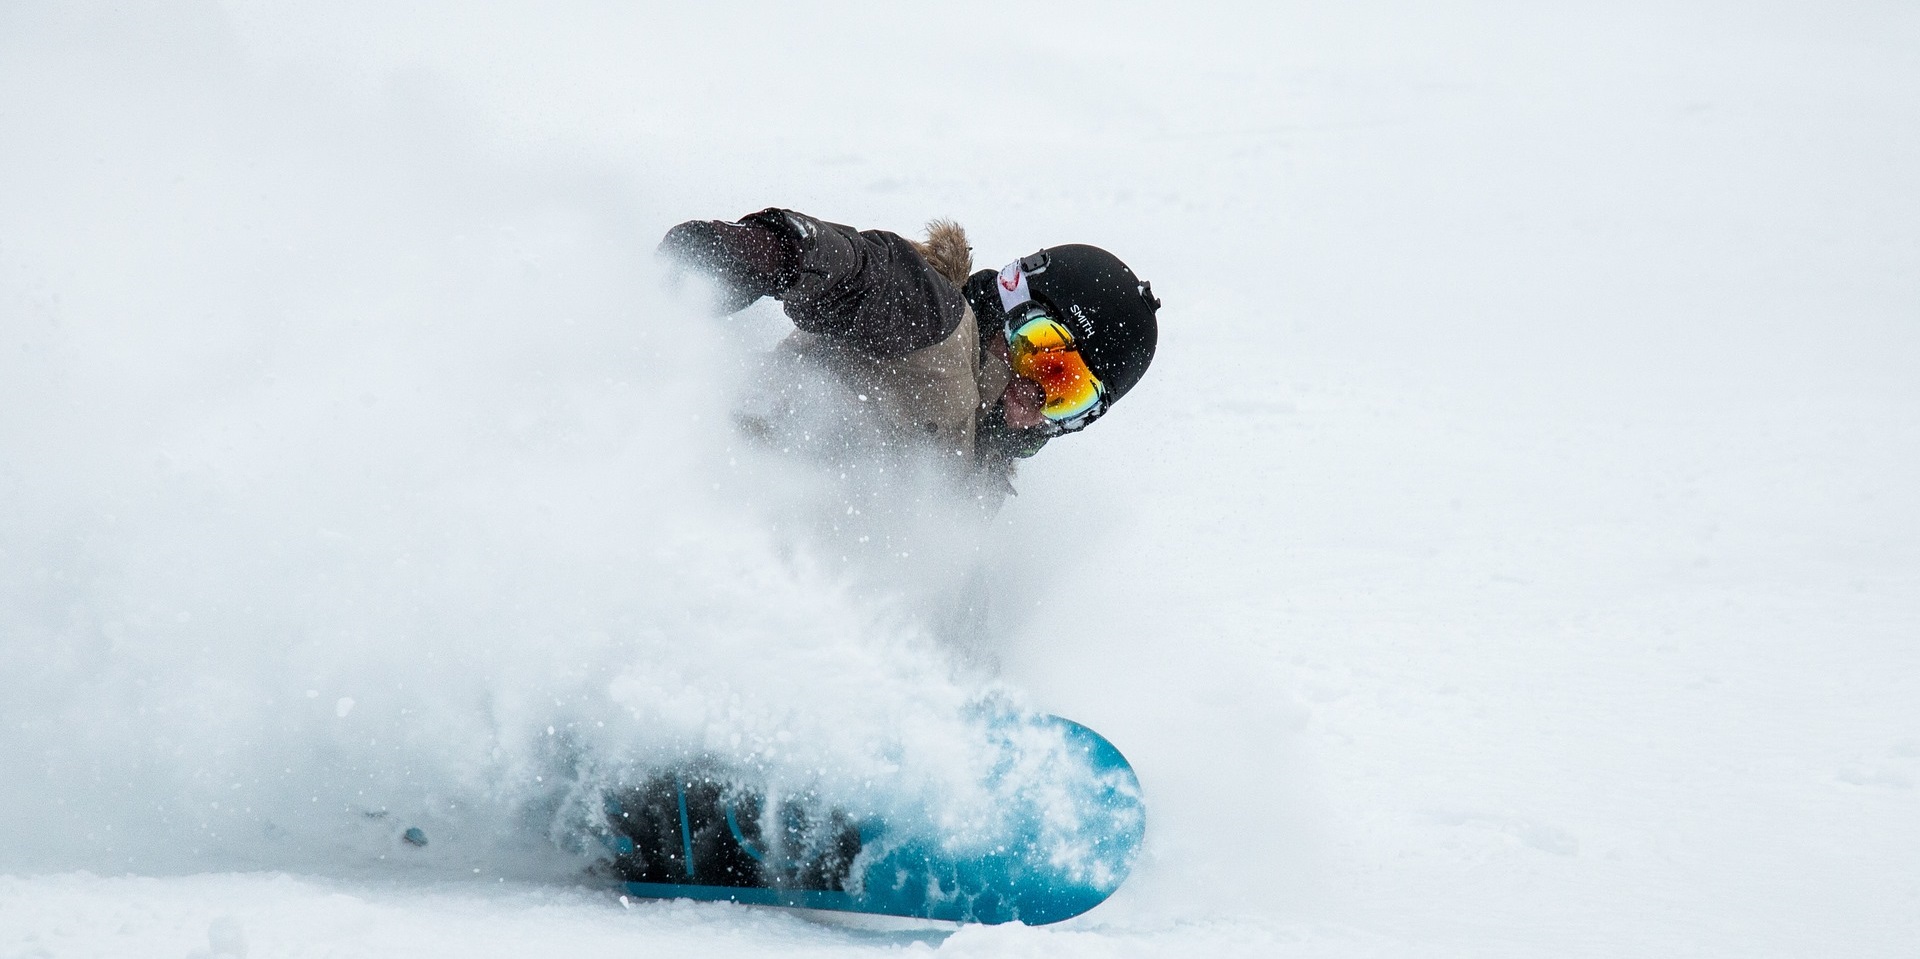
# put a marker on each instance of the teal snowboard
(1062, 830)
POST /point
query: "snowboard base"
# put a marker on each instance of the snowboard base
(1071, 824)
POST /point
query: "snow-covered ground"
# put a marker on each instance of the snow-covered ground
(1515, 550)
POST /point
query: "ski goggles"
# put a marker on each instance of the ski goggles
(1041, 349)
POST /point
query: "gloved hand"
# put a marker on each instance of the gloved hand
(745, 260)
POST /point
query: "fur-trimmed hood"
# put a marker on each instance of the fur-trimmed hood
(947, 251)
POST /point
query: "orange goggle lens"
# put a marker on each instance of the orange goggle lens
(1041, 350)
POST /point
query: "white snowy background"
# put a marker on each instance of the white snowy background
(1515, 550)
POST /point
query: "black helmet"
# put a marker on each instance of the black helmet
(1110, 310)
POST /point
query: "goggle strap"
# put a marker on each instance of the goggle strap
(1012, 284)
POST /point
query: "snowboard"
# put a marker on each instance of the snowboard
(1061, 829)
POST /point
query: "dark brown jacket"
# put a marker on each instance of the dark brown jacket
(885, 318)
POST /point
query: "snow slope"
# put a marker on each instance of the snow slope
(1514, 551)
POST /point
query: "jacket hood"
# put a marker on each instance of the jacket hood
(947, 251)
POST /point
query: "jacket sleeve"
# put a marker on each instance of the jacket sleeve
(869, 289)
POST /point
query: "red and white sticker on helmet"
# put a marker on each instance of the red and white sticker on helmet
(1013, 287)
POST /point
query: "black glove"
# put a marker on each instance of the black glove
(746, 260)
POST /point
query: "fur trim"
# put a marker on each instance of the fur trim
(946, 250)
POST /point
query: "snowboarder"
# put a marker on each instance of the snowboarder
(980, 368)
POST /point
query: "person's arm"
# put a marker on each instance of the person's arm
(869, 289)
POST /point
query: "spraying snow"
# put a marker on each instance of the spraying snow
(357, 490)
